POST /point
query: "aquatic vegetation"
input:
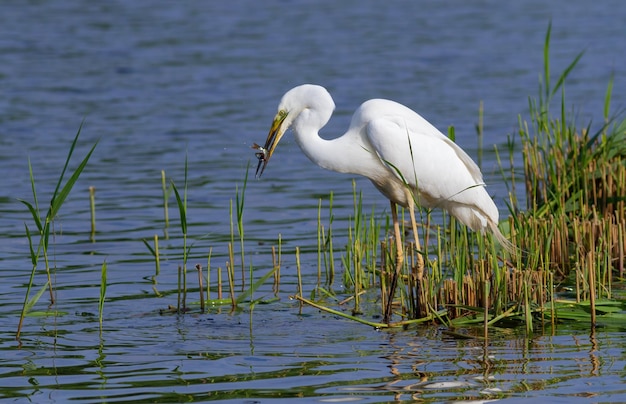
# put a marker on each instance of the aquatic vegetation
(571, 232)
(182, 209)
(45, 224)
(248, 286)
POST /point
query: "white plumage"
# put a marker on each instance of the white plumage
(403, 155)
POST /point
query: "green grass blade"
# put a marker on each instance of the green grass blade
(31, 176)
(546, 63)
(34, 213)
(181, 208)
(242, 297)
(565, 73)
(60, 181)
(33, 255)
(607, 99)
(67, 160)
(34, 209)
(59, 198)
(240, 202)
(149, 247)
(31, 302)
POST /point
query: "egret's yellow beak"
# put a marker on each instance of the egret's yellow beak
(276, 133)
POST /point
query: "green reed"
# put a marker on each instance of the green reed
(45, 223)
(182, 209)
(360, 260)
(208, 275)
(157, 261)
(570, 233)
(246, 295)
(576, 189)
(239, 200)
(325, 249)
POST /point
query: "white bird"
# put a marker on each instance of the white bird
(407, 159)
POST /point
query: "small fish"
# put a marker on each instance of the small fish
(262, 156)
(262, 152)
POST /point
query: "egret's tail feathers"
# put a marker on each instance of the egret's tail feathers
(504, 242)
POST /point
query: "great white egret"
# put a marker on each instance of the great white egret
(405, 157)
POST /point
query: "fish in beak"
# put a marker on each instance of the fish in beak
(276, 133)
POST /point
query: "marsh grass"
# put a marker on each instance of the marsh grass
(570, 234)
(182, 271)
(239, 203)
(226, 290)
(570, 237)
(576, 191)
(45, 224)
(325, 250)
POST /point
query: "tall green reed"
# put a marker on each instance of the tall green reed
(325, 249)
(575, 184)
(239, 201)
(45, 223)
(575, 195)
(182, 209)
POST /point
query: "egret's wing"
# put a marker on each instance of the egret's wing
(422, 157)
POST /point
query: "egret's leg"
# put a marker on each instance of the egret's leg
(399, 261)
(420, 257)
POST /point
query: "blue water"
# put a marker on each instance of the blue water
(156, 83)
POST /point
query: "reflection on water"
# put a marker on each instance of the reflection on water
(274, 354)
(158, 83)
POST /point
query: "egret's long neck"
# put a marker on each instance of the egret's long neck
(335, 154)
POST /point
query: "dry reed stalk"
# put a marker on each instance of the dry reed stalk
(219, 283)
(299, 275)
(230, 270)
(592, 290)
(276, 265)
(201, 287)
(449, 295)
(384, 275)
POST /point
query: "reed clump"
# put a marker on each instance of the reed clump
(575, 194)
(45, 226)
(569, 234)
(223, 288)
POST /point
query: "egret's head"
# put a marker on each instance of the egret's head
(307, 97)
